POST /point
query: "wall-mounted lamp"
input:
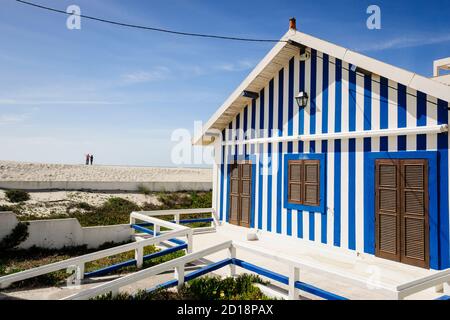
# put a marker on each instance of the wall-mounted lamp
(302, 99)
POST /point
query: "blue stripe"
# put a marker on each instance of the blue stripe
(269, 169)
(261, 162)
(352, 99)
(253, 126)
(323, 216)
(338, 97)
(230, 125)
(384, 111)
(421, 119)
(222, 178)
(245, 128)
(368, 233)
(351, 194)
(312, 109)
(401, 116)
(325, 82)
(367, 102)
(337, 193)
(289, 222)
(444, 248)
(290, 103)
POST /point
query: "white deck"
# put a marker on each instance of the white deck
(375, 273)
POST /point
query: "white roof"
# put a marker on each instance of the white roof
(282, 52)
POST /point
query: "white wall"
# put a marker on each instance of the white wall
(58, 233)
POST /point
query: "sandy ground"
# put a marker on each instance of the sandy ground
(45, 204)
(22, 171)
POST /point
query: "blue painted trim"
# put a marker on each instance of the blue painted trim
(443, 174)
(300, 224)
(369, 232)
(132, 262)
(269, 189)
(351, 194)
(367, 102)
(299, 156)
(369, 190)
(312, 229)
(145, 230)
(164, 285)
(196, 220)
(443, 298)
(318, 292)
(252, 159)
(337, 193)
(289, 222)
(261, 271)
(207, 269)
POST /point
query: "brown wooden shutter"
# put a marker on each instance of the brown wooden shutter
(414, 219)
(234, 194)
(245, 194)
(311, 195)
(295, 185)
(387, 209)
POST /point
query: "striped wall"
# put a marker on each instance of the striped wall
(341, 100)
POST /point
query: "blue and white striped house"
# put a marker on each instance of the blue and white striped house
(362, 166)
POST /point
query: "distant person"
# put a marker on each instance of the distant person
(92, 159)
(87, 159)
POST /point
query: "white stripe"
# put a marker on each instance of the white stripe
(285, 100)
(283, 210)
(307, 109)
(359, 196)
(411, 118)
(318, 215)
(331, 94)
(330, 193)
(392, 114)
(275, 164)
(375, 124)
(241, 132)
(319, 92)
(345, 98)
(344, 194)
(432, 120)
(359, 102)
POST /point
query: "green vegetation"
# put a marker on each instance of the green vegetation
(204, 288)
(144, 190)
(13, 261)
(17, 195)
(18, 235)
(117, 210)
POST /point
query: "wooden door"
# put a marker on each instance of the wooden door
(401, 231)
(240, 194)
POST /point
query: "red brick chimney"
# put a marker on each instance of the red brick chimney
(292, 23)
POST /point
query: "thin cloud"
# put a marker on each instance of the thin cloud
(406, 42)
(235, 67)
(53, 102)
(157, 74)
(6, 119)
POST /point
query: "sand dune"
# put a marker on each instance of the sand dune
(22, 171)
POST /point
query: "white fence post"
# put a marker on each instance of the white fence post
(177, 218)
(232, 255)
(446, 288)
(156, 231)
(189, 237)
(294, 276)
(132, 221)
(139, 257)
(80, 271)
(179, 275)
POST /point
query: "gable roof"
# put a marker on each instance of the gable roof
(283, 51)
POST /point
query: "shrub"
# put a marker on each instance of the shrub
(17, 195)
(18, 235)
(143, 189)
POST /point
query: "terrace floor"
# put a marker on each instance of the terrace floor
(375, 275)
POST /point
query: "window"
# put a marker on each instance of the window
(304, 182)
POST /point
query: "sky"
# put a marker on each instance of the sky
(120, 93)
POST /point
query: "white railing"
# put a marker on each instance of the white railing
(80, 261)
(178, 265)
(178, 213)
(441, 278)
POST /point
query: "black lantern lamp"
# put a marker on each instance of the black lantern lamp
(302, 99)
